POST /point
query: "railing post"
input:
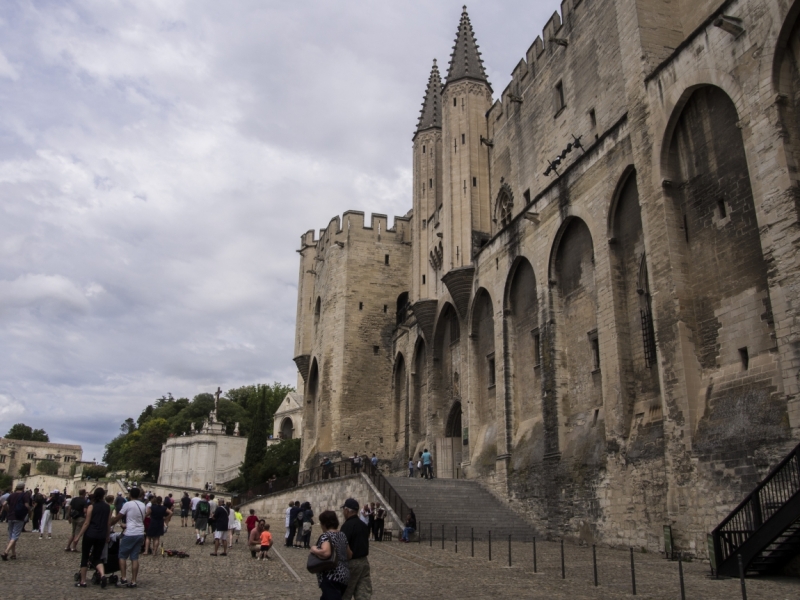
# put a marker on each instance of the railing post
(534, 554)
(509, 549)
(456, 539)
(594, 563)
(490, 544)
(741, 577)
(563, 570)
(442, 536)
(430, 534)
(472, 541)
(680, 574)
(633, 574)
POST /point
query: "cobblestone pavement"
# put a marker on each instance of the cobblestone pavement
(398, 570)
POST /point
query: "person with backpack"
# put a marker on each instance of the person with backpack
(202, 513)
(221, 516)
(17, 508)
(77, 513)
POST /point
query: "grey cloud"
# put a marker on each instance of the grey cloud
(158, 163)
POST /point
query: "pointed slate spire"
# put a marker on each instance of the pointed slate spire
(465, 62)
(431, 116)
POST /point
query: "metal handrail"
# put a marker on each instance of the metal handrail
(395, 501)
(777, 488)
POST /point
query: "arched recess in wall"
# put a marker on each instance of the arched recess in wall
(484, 374)
(636, 346)
(522, 306)
(287, 429)
(786, 80)
(400, 404)
(419, 397)
(575, 394)
(446, 375)
(311, 407)
(724, 300)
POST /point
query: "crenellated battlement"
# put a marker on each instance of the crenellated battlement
(352, 224)
(542, 55)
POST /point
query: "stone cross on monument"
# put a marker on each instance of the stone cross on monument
(217, 394)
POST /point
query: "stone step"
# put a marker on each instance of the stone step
(459, 503)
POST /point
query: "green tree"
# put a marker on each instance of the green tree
(256, 442)
(95, 471)
(114, 455)
(20, 431)
(129, 426)
(280, 460)
(143, 447)
(48, 467)
(6, 481)
(24, 469)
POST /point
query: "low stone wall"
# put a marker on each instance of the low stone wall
(323, 495)
(177, 492)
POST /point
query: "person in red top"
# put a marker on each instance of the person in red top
(251, 522)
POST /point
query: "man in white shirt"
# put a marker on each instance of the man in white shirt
(195, 500)
(131, 543)
(288, 523)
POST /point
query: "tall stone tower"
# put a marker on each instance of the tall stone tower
(428, 191)
(466, 98)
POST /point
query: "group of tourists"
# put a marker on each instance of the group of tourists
(212, 516)
(340, 554)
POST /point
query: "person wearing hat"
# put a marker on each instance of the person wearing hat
(16, 508)
(360, 584)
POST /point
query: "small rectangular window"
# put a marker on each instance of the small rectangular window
(527, 195)
(490, 364)
(430, 183)
(385, 308)
(593, 118)
(686, 228)
(423, 280)
(455, 101)
(360, 306)
(31, 456)
(745, 358)
(723, 212)
(558, 97)
(595, 346)
(596, 414)
(423, 149)
(386, 259)
(463, 139)
(537, 351)
(2, 458)
(376, 349)
(474, 182)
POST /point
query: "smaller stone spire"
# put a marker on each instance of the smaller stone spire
(465, 62)
(431, 115)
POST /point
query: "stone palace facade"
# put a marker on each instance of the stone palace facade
(592, 306)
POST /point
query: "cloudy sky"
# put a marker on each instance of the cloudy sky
(158, 163)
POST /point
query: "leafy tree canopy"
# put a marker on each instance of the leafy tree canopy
(20, 431)
(138, 446)
(24, 469)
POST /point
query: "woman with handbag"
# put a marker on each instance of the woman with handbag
(328, 558)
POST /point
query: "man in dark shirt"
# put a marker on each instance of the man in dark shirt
(186, 504)
(17, 508)
(357, 532)
(220, 530)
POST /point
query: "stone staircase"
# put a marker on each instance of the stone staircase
(460, 503)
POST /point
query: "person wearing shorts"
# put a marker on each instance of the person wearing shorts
(185, 505)
(221, 517)
(131, 543)
(16, 509)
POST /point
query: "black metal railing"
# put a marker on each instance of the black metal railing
(777, 488)
(389, 494)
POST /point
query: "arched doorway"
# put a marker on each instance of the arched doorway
(448, 448)
(287, 429)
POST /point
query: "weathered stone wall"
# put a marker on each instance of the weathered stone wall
(623, 345)
(210, 457)
(324, 495)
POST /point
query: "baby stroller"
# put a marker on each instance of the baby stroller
(110, 559)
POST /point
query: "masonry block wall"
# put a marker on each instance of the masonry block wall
(603, 324)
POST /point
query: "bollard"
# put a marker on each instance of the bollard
(594, 563)
(534, 554)
(509, 549)
(472, 542)
(430, 534)
(419, 533)
(442, 537)
(633, 574)
(741, 577)
(456, 539)
(563, 571)
(490, 544)
(680, 574)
